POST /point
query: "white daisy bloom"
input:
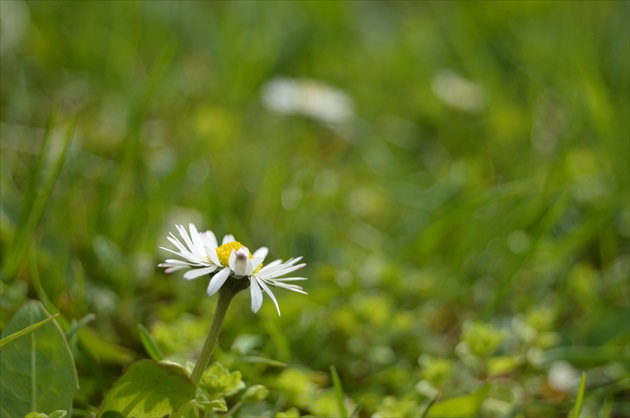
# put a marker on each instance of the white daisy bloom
(203, 255)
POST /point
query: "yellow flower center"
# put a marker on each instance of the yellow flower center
(224, 251)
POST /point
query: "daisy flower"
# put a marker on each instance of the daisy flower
(231, 260)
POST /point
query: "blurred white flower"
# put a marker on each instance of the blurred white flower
(202, 254)
(458, 92)
(310, 98)
(563, 376)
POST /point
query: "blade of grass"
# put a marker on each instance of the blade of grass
(37, 283)
(149, 344)
(549, 219)
(10, 338)
(580, 397)
(355, 410)
(338, 392)
(72, 335)
(262, 360)
(37, 206)
(433, 401)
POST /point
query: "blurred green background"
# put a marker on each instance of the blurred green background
(455, 175)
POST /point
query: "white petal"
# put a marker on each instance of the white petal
(293, 260)
(193, 274)
(172, 269)
(274, 265)
(271, 295)
(282, 272)
(210, 245)
(278, 264)
(232, 259)
(181, 247)
(227, 238)
(178, 244)
(193, 232)
(295, 289)
(214, 258)
(217, 281)
(175, 261)
(261, 252)
(292, 287)
(210, 240)
(271, 265)
(256, 262)
(289, 279)
(257, 296)
(197, 248)
(191, 259)
(179, 266)
(242, 265)
(184, 235)
(258, 257)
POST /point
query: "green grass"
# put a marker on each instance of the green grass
(121, 119)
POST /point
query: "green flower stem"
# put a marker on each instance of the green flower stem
(229, 289)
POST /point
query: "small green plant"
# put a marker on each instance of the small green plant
(156, 388)
(233, 269)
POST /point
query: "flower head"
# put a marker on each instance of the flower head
(231, 260)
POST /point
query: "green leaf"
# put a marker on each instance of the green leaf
(5, 341)
(198, 408)
(218, 405)
(338, 392)
(255, 393)
(103, 350)
(38, 372)
(148, 389)
(149, 344)
(503, 364)
(461, 406)
(289, 413)
(218, 382)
